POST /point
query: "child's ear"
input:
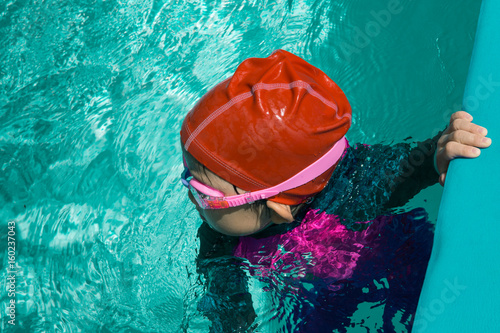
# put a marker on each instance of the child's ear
(280, 213)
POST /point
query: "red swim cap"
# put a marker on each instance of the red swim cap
(271, 119)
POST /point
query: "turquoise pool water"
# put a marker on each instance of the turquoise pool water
(92, 94)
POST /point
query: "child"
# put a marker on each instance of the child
(266, 155)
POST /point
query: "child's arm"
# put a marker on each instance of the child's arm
(459, 139)
(462, 138)
(227, 302)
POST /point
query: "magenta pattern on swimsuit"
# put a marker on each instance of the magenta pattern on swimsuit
(320, 245)
(325, 248)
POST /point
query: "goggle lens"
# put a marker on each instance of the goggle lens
(205, 201)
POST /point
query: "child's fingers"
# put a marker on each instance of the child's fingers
(460, 115)
(469, 139)
(464, 138)
(461, 138)
(454, 149)
(462, 124)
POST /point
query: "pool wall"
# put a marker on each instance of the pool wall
(461, 292)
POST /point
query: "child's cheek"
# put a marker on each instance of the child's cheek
(227, 224)
(240, 222)
(190, 196)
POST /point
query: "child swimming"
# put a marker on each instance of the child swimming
(276, 183)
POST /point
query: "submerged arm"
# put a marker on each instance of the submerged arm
(227, 302)
(428, 162)
(416, 172)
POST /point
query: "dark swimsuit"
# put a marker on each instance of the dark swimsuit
(348, 249)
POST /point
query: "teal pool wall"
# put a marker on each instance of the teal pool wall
(461, 292)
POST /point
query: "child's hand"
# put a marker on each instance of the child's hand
(460, 139)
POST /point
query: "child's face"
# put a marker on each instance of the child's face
(233, 221)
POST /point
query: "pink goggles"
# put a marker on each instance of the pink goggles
(210, 198)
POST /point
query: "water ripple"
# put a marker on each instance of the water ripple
(92, 95)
